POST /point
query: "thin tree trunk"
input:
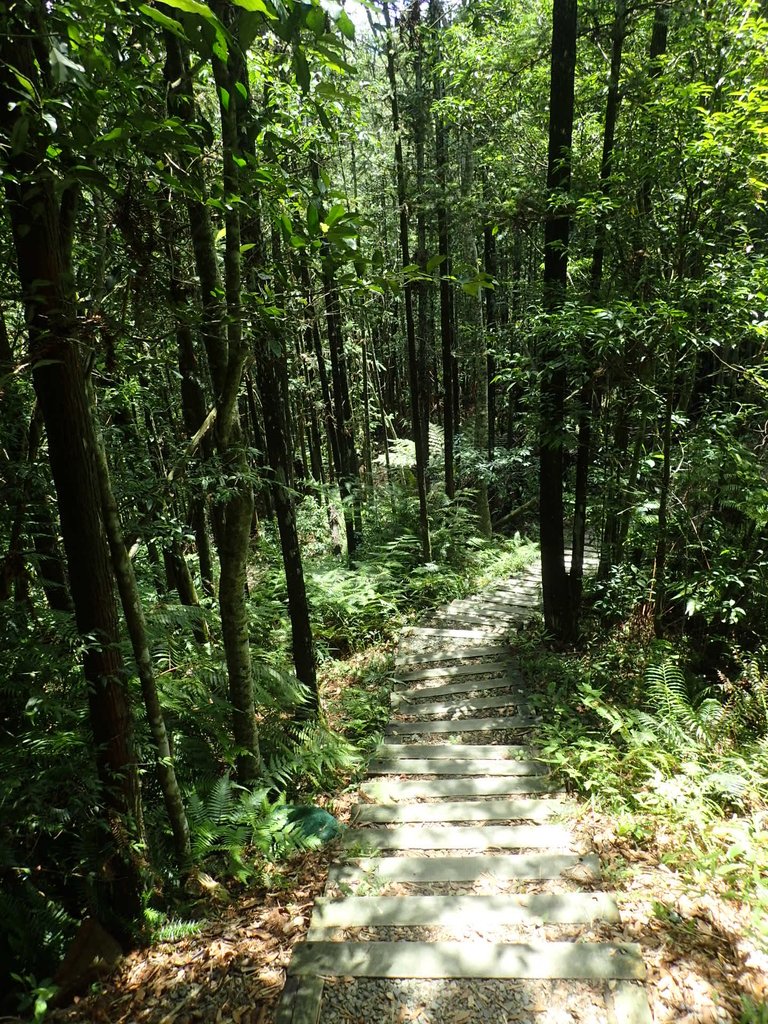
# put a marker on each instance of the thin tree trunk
(490, 261)
(590, 397)
(662, 541)
(236, 513)
(367, 442)
(447, 337)
(420, 256)
(135, 621)
(413, 372)
(349, 474)
(268, 370)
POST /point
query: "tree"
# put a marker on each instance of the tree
(558, 610)
(42, 211)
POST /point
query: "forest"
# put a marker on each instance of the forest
(313, 317)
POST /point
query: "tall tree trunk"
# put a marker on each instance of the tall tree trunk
(236, 513)
(589, 398)
(420, 256)
(269, 369)
(367, 440)
(349, 468)
(410, 329)
(194, 407)
(558, 615)
(447, 336)
(480, 372)
(313, 345)
(226, 355)
(42, 226)
(662, 540)
(491, 268)
(135, 621)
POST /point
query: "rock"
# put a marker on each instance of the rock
(92, 954)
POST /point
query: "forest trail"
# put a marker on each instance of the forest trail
(465, 896)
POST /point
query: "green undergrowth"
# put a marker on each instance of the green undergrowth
(241, 838)
(680, 764)
(358, 602)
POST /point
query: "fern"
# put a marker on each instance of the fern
(676, 720)
(745, 714)
(233, 830)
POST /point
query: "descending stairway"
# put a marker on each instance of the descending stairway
(461, 865)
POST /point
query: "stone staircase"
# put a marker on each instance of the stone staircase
(464, 897)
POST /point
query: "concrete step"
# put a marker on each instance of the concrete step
(508, 722)
(582, 960)
(432, 870)
(460, 837)
(418, 632)
(491, 668)
(458, 810)
(484, 609)
(458, 686)
(442, 766)
(461, 620)
(399, 790)
(455, 653)
(458, 911)
(457, 707)
(453, 751)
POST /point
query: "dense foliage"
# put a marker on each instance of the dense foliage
(301, 306)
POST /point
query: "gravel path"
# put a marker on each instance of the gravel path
(462, 1001)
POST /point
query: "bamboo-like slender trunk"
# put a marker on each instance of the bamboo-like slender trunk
(591, 395)
(410, 329)
(133, 612)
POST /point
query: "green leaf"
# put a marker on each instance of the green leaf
(113, 136)
(346, 26)
(162, 19)
(58, 56)
(334, 213)
(434, 261)
(24, 82)
(257, 6)
(315, 21)
(221, 41)
(302, 69)
(313, 219)
(192, 7)
(250, 25)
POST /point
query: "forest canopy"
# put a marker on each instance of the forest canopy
(307, 314)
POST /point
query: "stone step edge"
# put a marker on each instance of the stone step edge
(552, 960)
(504, 867)
(450, 708)
(459, 837)
(530, 809)
(457, 671)
(393, 790)
(452, 911)
(456, 751)
(503, 723)
(451, 689)
(467, 767)
(459, 652)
